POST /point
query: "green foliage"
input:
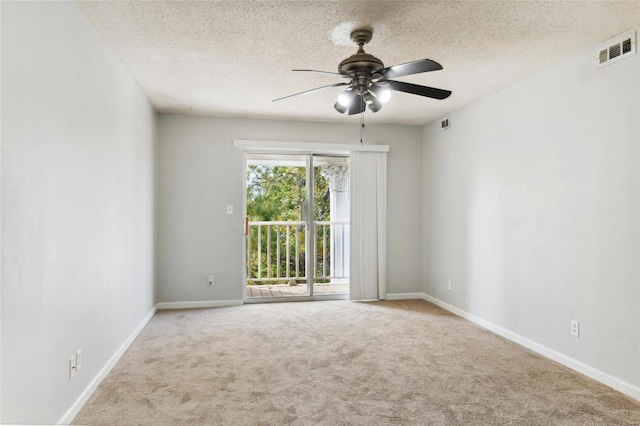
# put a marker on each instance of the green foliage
(278, 193)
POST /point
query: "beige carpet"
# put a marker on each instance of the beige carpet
(341, 363)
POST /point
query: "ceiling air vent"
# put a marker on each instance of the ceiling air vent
(616, 49)
(444, 124)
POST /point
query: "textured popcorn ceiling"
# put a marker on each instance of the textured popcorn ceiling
(231, 58)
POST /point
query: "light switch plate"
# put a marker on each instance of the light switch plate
(73, 366)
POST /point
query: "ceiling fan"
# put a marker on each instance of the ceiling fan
(370, 83)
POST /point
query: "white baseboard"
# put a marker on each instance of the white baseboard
(84, 397)
(404, 296)
(602, 377)
(202, 304)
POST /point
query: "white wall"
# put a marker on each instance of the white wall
(200, 173)
(0, 217)
(77, 199)
(531, 208)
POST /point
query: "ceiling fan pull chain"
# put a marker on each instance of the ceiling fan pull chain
(361, 126)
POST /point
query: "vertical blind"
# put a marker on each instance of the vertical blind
(368, 207)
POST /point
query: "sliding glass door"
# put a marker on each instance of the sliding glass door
(297, 229)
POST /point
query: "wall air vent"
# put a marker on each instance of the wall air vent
(444, 124)
(616, 49)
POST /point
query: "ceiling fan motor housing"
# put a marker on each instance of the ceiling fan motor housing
(361, 64)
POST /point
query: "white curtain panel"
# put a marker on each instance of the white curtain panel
(368, 209)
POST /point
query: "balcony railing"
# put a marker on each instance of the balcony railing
(276, 251)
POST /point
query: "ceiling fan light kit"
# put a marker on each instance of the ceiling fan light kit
(341, 108)
(345, 98)
(370, 84)
(381, 92)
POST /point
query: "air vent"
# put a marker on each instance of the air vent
(616, 49)
(444, 124)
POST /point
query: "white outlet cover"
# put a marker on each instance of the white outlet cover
(229, 209)
(79, 359)
(575, 328)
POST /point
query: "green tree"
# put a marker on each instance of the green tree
(278, 193)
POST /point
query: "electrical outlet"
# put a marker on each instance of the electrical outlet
(449, 284)
(575, 328)
(211, 280)
(229, 208)
(78, 359)
(73, 366)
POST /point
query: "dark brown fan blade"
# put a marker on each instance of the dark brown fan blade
(326, 72)
(414, 89)
(311, 91)
(357, 105)
(415, 67)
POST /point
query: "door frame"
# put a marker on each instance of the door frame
(310, 237)
(279, 147)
